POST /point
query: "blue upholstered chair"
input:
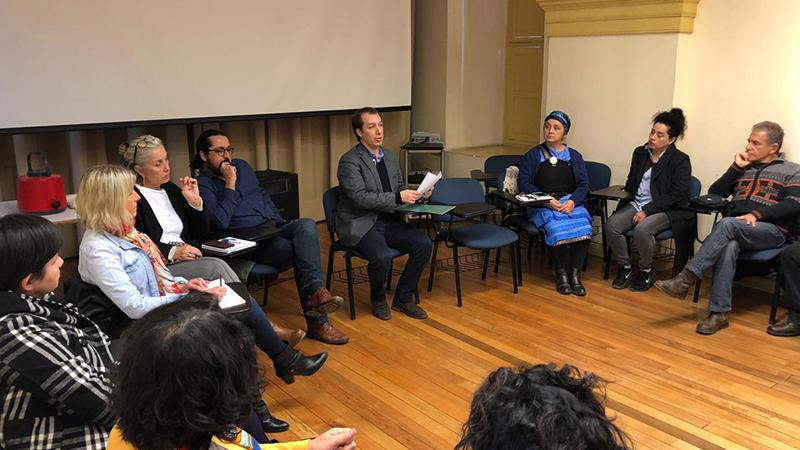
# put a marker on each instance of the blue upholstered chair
(330, 201)
(476, 235)
(498, 164)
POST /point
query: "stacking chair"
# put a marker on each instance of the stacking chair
(498, 164)
(330, 201)
(757, 263)
(479, 236)
(695, 186)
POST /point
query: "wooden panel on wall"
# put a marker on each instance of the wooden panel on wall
(524, 72)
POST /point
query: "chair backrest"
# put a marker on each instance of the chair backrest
(330, 200)
(695, 186)
(498, 164)
(599, 175)
(456, 191)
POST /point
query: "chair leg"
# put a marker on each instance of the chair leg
(497, 261)
(518, 255)
(349, 269)
(606, 267)
(485, 264)
(530, 246)
(416, 295)
(513, 258)
(776, 296)
(458, 273)
(433, 265)
(389, 278)
(330, 269)
(696, 295)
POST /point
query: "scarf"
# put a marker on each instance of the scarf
(166, 282)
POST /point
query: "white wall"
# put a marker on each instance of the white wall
(740, 66)
(610, 86)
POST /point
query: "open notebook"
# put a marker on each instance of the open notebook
(232, 300)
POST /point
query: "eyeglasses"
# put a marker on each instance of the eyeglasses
(221, 150)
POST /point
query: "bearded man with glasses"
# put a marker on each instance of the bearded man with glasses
(234, 200)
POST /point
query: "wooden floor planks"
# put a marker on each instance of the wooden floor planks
(408, 384)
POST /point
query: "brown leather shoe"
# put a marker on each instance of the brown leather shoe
(784, 329)
(714, 322)
(322, 302)
(327, 333)
(679, 286)
(290, 335)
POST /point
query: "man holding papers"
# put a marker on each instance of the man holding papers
(371, 189)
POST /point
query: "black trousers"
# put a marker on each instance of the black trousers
(569, 256)
(790, 264)
(392, 233)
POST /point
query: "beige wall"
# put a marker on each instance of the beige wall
(739, 66)
(610, 86)
(458, 83)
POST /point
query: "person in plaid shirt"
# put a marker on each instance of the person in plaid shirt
(54, 361)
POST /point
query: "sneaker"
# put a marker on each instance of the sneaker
(410, 309)
(381, 310)
(623, 279)
(643, 280)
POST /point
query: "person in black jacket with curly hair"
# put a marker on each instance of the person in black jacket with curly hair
(659, 180)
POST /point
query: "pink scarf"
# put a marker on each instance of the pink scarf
(166, 282)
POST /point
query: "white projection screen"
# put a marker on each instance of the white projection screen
(80, 63)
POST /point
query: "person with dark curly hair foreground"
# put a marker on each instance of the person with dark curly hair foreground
(187, 380)
(542, 407)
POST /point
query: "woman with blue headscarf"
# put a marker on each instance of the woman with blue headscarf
(555, 168)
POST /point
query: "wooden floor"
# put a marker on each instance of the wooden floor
(408, 384)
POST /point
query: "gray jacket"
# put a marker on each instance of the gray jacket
(361, 195)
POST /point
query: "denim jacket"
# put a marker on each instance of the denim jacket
(122, 271)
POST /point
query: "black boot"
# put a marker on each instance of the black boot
(269, 423)
(291, 362)
(562, 282)
(575, 282)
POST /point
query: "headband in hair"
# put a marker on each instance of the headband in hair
(561, 117)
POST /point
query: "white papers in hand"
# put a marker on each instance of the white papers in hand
(231, 298)
(428, 182)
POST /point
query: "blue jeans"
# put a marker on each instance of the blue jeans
(375, 247)
(720, 250)
(297, 245)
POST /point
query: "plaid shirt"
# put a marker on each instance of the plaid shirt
(54, 383)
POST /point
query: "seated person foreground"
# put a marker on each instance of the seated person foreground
(201, 395)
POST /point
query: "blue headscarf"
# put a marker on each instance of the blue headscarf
(561, 117)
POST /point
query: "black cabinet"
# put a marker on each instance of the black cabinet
(283, 190)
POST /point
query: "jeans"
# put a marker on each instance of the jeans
(644, 235)
(721, 249)
(263, 334)
(297, 245)
(790, 264)
(375, 247)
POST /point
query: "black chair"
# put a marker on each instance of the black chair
(479, 236)
(330, 201)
